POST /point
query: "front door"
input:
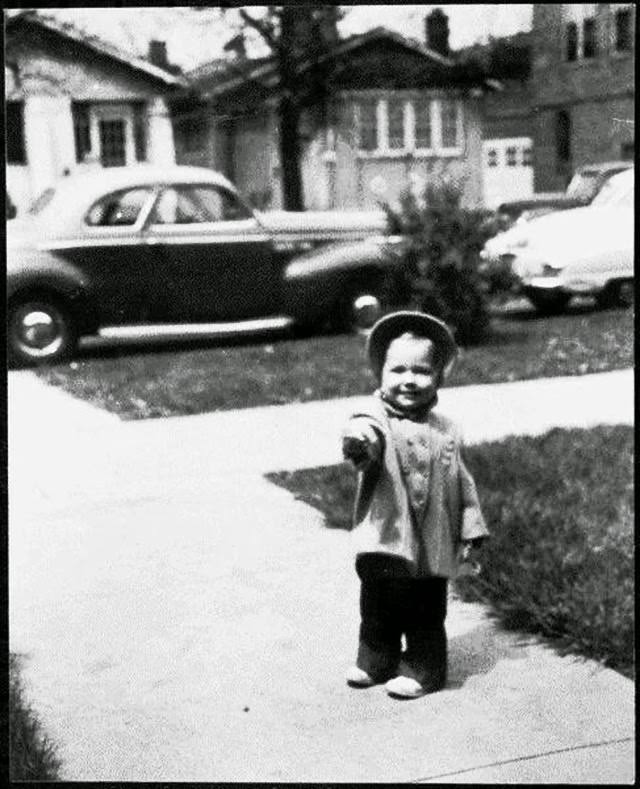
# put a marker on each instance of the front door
(215, 261)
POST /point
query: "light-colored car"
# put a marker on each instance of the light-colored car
(176, 245)
(587, 181)
(581, 251)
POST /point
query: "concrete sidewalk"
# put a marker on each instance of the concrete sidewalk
(184, 620)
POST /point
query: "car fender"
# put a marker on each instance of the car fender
(35, 270)
(313, 281)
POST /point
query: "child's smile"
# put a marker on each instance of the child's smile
(409, 375)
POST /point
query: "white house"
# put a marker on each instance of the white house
(74, 102)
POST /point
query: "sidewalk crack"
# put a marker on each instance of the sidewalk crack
(523, 758)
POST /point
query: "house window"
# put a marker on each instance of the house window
(16, 149)
(589, 38)
(492, 158)
(423, 125)
(81, 129)
(563, 137)
(527, 157)
(512, 153)
(112, 143)
(396, 124)
(367, 125)
(623, 30)
(572, 41)
(449, 115)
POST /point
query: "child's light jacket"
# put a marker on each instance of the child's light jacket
(383, 519)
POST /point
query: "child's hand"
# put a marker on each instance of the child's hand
(359, 450)
(469, 557)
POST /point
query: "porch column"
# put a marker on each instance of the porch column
(48, 126)
(161, 146)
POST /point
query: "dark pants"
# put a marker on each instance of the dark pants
(393, 604)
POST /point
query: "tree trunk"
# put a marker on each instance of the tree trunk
(290, 156)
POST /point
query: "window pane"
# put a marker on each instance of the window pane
(449, 124)
(572, 41)
(423, 124)
(590, 44)
(81, 129)
(623, 30)
(112, 143)
(396, 124)
(492, 158)
(16, 151)
(367, 127)
(121, 208)
(527, 157)
(511, 156)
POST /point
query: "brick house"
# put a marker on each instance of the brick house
(74, 102)
(398, 109)
(583, 87)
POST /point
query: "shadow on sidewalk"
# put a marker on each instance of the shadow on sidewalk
(477, 651)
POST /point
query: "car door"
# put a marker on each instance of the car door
(110, 251)
(216, 261)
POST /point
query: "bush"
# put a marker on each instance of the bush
(440, 271)
(32, 756)
(560, 559)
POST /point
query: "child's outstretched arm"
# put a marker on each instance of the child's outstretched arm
(362, 443)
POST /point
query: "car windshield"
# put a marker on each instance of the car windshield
(617, 191)
(583, 185)
(41, 202)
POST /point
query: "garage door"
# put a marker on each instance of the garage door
(507, 169)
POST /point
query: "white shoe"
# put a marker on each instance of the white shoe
(405, 688)
(358, 678)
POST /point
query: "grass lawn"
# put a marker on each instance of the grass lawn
(32, 755)
(138, 383)
(560, 562)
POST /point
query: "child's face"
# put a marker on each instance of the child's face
(410, 375)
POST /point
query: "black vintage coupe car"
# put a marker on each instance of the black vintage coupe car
(175, 245)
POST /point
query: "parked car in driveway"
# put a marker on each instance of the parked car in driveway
(582, 251)
(176, 245)
(583, 187)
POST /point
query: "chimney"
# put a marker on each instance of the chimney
(158, 54)
(437, 31)
(236, 46)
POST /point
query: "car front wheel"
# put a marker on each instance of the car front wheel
(548, 303)
(620, 293)
(360, 306)
(39, 330)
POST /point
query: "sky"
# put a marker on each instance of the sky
(189, 39)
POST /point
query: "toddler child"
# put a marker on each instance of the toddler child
(416, 508)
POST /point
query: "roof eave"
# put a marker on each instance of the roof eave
(138, 64)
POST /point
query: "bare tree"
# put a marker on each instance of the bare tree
(299, 39)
